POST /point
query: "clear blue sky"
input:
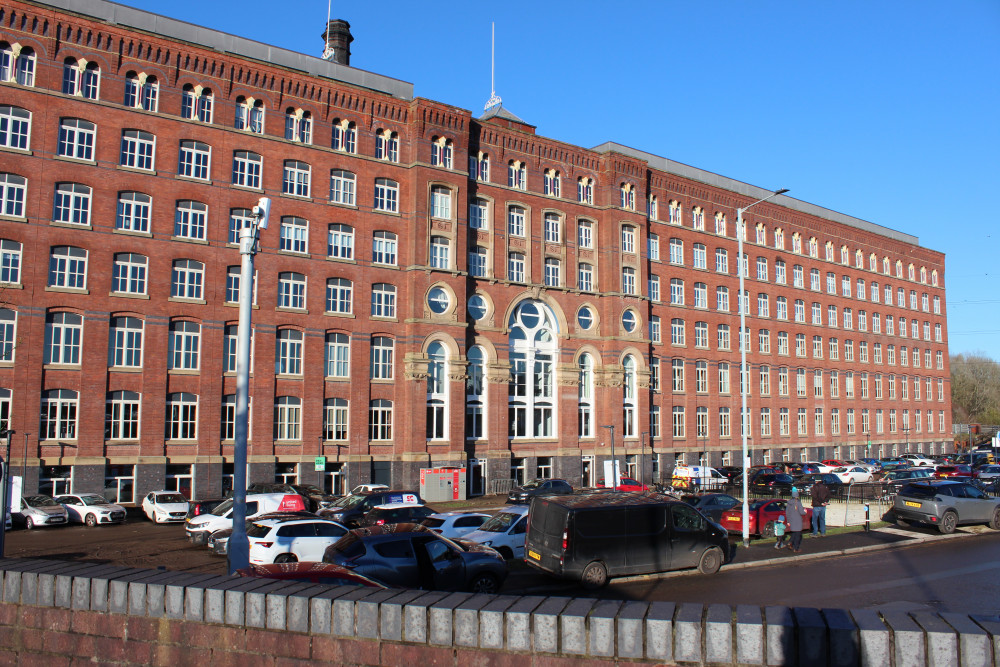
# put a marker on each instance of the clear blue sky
(885, 111)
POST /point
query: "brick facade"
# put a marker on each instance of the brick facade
(61, 30)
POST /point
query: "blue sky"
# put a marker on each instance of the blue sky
(885, 111)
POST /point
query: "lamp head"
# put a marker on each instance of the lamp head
(781, 192)
(263, 211)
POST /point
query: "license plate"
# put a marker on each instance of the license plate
(909, 504)
(534, 555)
(734, 518)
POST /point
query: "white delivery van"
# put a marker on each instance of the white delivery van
(698, 478)
(198, 528)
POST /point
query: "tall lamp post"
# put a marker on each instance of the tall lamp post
(614, 468)
(744, 379)
(5, 502)
(239, 546)
(642, 460)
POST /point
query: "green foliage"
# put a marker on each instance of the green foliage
(975, 389)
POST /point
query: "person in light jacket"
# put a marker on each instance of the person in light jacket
(795, 513)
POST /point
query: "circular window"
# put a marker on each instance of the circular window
(438, 300)
(477, 307)
(628, 321)
(585, 318)
(529, 315)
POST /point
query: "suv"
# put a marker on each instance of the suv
(946, 504)
(200, 527)
(396, 513)
(289, 540)
(895, 479)
(351, 510)
(538, 487)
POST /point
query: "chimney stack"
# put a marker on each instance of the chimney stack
(337, 40)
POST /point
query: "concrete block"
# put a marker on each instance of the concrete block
(660, 631)
(719, 633)
(297, 610)
(491, 617)
(80, 598)
(29, 588)
(197, 600)
(973, 641)
(367, 612)
(573, 626)
(842, 635)
(811, 636)
(991, 625)
(466, 620)
(233, 600)
(874, 638)
(909, 640)
(47, 590)
(749, 635)
(545, 625)
(942, 641)
(416, 617)
(441, 619)
(12, 587)
(321, 609)
(601, 626)
(176, 592)
(136, 598)
(519, 620)
(63, 591)
(631, 621)
(780, 636)
(255, 602)
(391, 614)
(345, 612)
(687, 632)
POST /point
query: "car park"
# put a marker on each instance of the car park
(988, 471)
(91, 509)
(762, 517)
(454, 525)
(199, 528)
(946, 504)
(218, 541)
(853, 474)
(350, 511)
(504, 531)
(396, 513)
(165, 506)
(310, 573)
(292, 539)
(711, 505)
(537, 487)
(413, 556)
(40, 511)
(593, 537)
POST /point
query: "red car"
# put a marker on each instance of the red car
(834, 462)
(949, 472)
(763, 514)
(625, 484)
(310, 573)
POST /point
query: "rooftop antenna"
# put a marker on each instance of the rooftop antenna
(327, 52)
(494, 100)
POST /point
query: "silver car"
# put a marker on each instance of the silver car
(946, 504)
(39, 511)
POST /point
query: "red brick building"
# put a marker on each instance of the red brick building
(434, 289)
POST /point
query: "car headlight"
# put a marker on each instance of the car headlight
(488, 543)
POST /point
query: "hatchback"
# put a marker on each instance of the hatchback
(538, 487)
(455, 524)
(165, 506)
(396, 513)
(39, 511)
(291, 540)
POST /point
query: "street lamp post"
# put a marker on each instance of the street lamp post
(744, 380)
(5, 502)
(614, 468)
(239, 546)
(642, 459)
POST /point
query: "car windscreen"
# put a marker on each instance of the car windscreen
(222, 508)
(353, 501)
(757, 504)
(170, 498)
(349, 546)
(533, 484)
(258, 530)
(40, 501)
(91, 500)
(500, 523)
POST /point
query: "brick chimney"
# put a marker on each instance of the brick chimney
(338, 46)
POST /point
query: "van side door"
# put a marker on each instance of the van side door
(687, 536)
(598, 535)
(648, 539)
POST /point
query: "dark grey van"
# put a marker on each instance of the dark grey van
(592, 537)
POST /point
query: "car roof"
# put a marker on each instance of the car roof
(396, 506)
(513, 509)
(275, 520)
(449, 515)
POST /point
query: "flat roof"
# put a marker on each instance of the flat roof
(114, 13)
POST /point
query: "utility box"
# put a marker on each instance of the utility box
(442, 484)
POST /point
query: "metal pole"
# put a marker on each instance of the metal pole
(239, 545)
(642, 459)
(24, 461)
(614, 470)
(5, 503)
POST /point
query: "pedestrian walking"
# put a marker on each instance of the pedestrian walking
(780, 528)
(820, 499)
(795, 512)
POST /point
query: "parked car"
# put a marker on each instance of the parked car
(988, 471)
(702, 478)
(775, 484)
(805, 469)
(593, 537)
(413, 556)
(733, 474)
(893, 480)
(537, 487)
(292, 539)
(959, 471)
(310, 573)
(822, 467)
(316, 498)
(917, 459)
(853, 474)
(353, 509)
(454, 525)
(367, 488)
(218, 541)
(40, 511)
(763, 514)
(396, 513)
(946, 504)
(806, 482)
(165, 506)
(199, 507)
(199, 528)
(91, 509)
(711, 505)
(624, 484)
(504, 531)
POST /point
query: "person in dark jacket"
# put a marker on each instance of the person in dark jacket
(794, 511)
(820, 499)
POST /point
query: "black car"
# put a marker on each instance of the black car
(806, 482)
(733, 473)
(711, 505)
(538, 487)
(407, 555)
(316, 498)
(397, 514)
(895, 479)
(351, 510)
(199, 507)
(778, 484)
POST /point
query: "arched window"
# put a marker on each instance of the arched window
(250, 115)
(442, 151)
(630, 398)
(17, 64)
(585, 190)
(81, 78)
(585, 395)
(196, 103)
(475, 394)
(627, 191)
(141, 91)
(533, 350)
(387, 145)
(551, 184)
(345, 136)
(298, 125)
(437, 392)
(479, 167)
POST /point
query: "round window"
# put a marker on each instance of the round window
(438, 300)
(477, 307)
(585, 318)
(529, 315)
(628, 321)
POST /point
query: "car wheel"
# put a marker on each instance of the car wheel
(768, 530)
(995, 521)
(285, 558)
(484, 583)
(506, 553)
(710, 561)
(91, 521)
(948, 523)
(594, 576)
(29, 523)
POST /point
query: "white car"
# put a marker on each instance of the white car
(455, 524)
(291, 539)
(853, 474)
(367, 488)
(91, 509)
(990, 471)
(165, 506)
(504, 531)
(917, 459)
(38, 511)
(198, 528)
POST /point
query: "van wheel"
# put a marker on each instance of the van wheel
(594, 576)
(285, 558)
(768, 530)
(948, 523)
(995, 521)
(484, 583)
(711, 561)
